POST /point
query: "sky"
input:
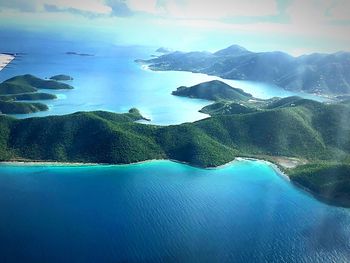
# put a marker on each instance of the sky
(293, 26)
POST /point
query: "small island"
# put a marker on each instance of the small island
(213, 90)
(163, 50)
(79, 54)
(61, 77)
(25, 88)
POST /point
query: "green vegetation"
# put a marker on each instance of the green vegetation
(330, 181)
(20, 107)
(316, 132)
(15, 88)
(25, 87)
(227, 108)
(61, 77)
(295, 127)
(213, 90)
(31, 82)
(28, 96)
(315, 73)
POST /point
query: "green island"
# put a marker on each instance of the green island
(314, 135)
(25, 88)
(61, 77)
(213, 90)
(21, 107)
(28, 96)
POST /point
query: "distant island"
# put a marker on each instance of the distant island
(25, 88)
(28, 96)
(326, 74)
(163, 50)
(79, 54)
(61, 77)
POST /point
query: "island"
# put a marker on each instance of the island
(229, 100)
(213, 90)
(312, 135)
(20, 107)
(79, 54)
(29, 83)
(61, 77)
(163, 50)
(28, 96)
(25, 88)
(327, 74)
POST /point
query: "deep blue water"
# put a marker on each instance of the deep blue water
(165, 212)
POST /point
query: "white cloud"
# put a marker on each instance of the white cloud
(308, 12)
(223, 8)
(341, 11)
(199, 9)
(318, 11)
(147, 6)
(93, 6)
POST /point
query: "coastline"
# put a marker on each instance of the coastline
(149, 67)
(54, 163)
(277, 167)
(28, 163)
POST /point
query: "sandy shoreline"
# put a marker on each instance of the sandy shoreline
(42, 163)
(284, 162)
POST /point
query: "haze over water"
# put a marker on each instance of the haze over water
(111, 80)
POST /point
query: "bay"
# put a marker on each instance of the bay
(110, 79)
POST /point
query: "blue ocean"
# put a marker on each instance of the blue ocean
(158, 211)
(162, 211)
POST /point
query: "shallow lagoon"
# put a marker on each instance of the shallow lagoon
(165, 212)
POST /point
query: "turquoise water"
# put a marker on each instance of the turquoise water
(165, 212)
(111, 80)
